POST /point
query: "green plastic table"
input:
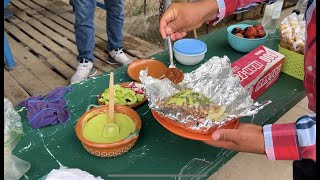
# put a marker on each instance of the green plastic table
(157, 151)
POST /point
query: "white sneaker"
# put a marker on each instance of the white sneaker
(119, 56)
(85, 69)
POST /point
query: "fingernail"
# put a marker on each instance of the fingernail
(216, 137)
(168, 30)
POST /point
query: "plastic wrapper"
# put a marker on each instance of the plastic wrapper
(65, 173)
(14, 168)
(292, 30)
(214, 80)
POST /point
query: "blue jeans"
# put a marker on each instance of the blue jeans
(84, 26)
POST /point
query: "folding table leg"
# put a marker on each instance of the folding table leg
(7, 53)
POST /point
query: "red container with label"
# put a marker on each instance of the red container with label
(258, 70)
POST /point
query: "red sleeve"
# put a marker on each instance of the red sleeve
(228, 7)
(281, 142)
(292, 141)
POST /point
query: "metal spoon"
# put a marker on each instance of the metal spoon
(174, 74)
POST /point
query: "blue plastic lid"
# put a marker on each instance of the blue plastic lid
(190, 46)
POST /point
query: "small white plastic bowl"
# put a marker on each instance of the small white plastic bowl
(188, 60)
(189, 51)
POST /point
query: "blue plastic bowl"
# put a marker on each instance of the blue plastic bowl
(189, 51)
(243, 44)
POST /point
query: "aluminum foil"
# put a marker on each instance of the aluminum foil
(214, 79)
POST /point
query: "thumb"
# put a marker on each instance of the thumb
(224, 135)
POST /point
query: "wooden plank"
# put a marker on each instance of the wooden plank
(50, 5)
(19, 4)
(101, 35)
(100, 43)
(66, 21)
(12, 90)
(28, 3)
(65, 55)
(44, 73)
(17, 63)
(51, 24)
(99, 32)
(28, 81)
(32, 5)
(100, 54)
(100, 25)
(19, 13)
(50, 58)
(133, 45)
(69, 17)
(62, 41)
(34, 45)
(62, 22)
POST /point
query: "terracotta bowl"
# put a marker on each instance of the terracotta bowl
(156, 69)
(133, 105)
(185, 130)
(228, 125)
(111, 149)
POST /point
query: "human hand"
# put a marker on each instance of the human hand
(180, 18)
(246, 138)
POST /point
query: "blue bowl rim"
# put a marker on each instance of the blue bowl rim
(186, 39)
(235, 25)
(190, 55)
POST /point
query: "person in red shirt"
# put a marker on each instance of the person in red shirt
(292, 141)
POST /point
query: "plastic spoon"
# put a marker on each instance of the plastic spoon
(174, 74)
(111, 129)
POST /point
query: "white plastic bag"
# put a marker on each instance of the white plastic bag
(65, 173)
(14, 168)
(292, 31)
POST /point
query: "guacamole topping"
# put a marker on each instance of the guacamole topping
(194, 103)
(93, 130)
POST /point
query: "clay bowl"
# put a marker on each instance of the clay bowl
(185, 130)
(156, 69)
(111, 149)
(133, 105)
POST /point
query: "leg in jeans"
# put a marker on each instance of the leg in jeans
(115, 20)
(84, 30)
(84, 27)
